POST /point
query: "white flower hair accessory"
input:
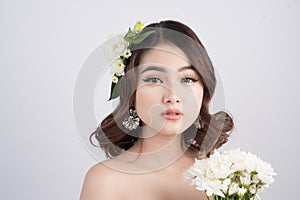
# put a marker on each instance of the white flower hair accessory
(119, 53)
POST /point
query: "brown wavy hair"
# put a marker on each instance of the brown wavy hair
(113, 138)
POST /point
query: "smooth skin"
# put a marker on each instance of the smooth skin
(165, 81)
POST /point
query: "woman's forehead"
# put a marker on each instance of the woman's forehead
(164, 56)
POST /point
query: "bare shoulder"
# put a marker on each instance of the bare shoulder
(101, 182)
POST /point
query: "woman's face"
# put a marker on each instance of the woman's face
(169, 93)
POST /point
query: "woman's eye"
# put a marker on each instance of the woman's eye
(153, 80)
(188, 80)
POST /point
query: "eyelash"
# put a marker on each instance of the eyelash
(151, 80)
(192, 80)
(156, 80)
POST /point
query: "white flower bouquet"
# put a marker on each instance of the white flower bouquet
(230, 175)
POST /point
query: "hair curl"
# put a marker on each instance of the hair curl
(113, 138)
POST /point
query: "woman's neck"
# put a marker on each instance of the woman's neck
(154, 152)
(165, 145)
(157, 151)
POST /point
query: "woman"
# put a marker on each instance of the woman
(162, 122)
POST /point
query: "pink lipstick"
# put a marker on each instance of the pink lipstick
(172, 114)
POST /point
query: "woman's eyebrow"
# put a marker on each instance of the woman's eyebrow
(186, 68)
(162, 69)
(154, 68)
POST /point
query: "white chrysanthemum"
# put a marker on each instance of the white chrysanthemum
(115, 47)
(230, 173)
(252, 189)
(241, 191)
(118, 67)
(255, 179)
(214, 187)
(221, 166)
(225, 185)
(115, 79)
(245, 178)
(233, 188)
(238, 159)
(265, 173)
(127, 53)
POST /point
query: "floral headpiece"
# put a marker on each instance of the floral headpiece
(121, 50)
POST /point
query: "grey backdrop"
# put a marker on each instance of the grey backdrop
(253, 44)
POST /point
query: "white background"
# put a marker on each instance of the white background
(253, 44)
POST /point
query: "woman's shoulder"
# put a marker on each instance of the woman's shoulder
(104, 172)
(98, 183)
(101, 167)
(100, 170)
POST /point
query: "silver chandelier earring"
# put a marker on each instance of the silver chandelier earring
(132, 121)
(199, 123)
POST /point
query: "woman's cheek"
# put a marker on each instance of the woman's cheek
(147, 103)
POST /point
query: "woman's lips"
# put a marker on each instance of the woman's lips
(172, 114)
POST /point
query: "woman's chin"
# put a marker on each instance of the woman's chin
(166, 130)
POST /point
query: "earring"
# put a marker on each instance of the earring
(132, 121)
(192, 141)
(199, 123)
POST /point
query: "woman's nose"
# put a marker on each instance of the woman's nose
(170, 97)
